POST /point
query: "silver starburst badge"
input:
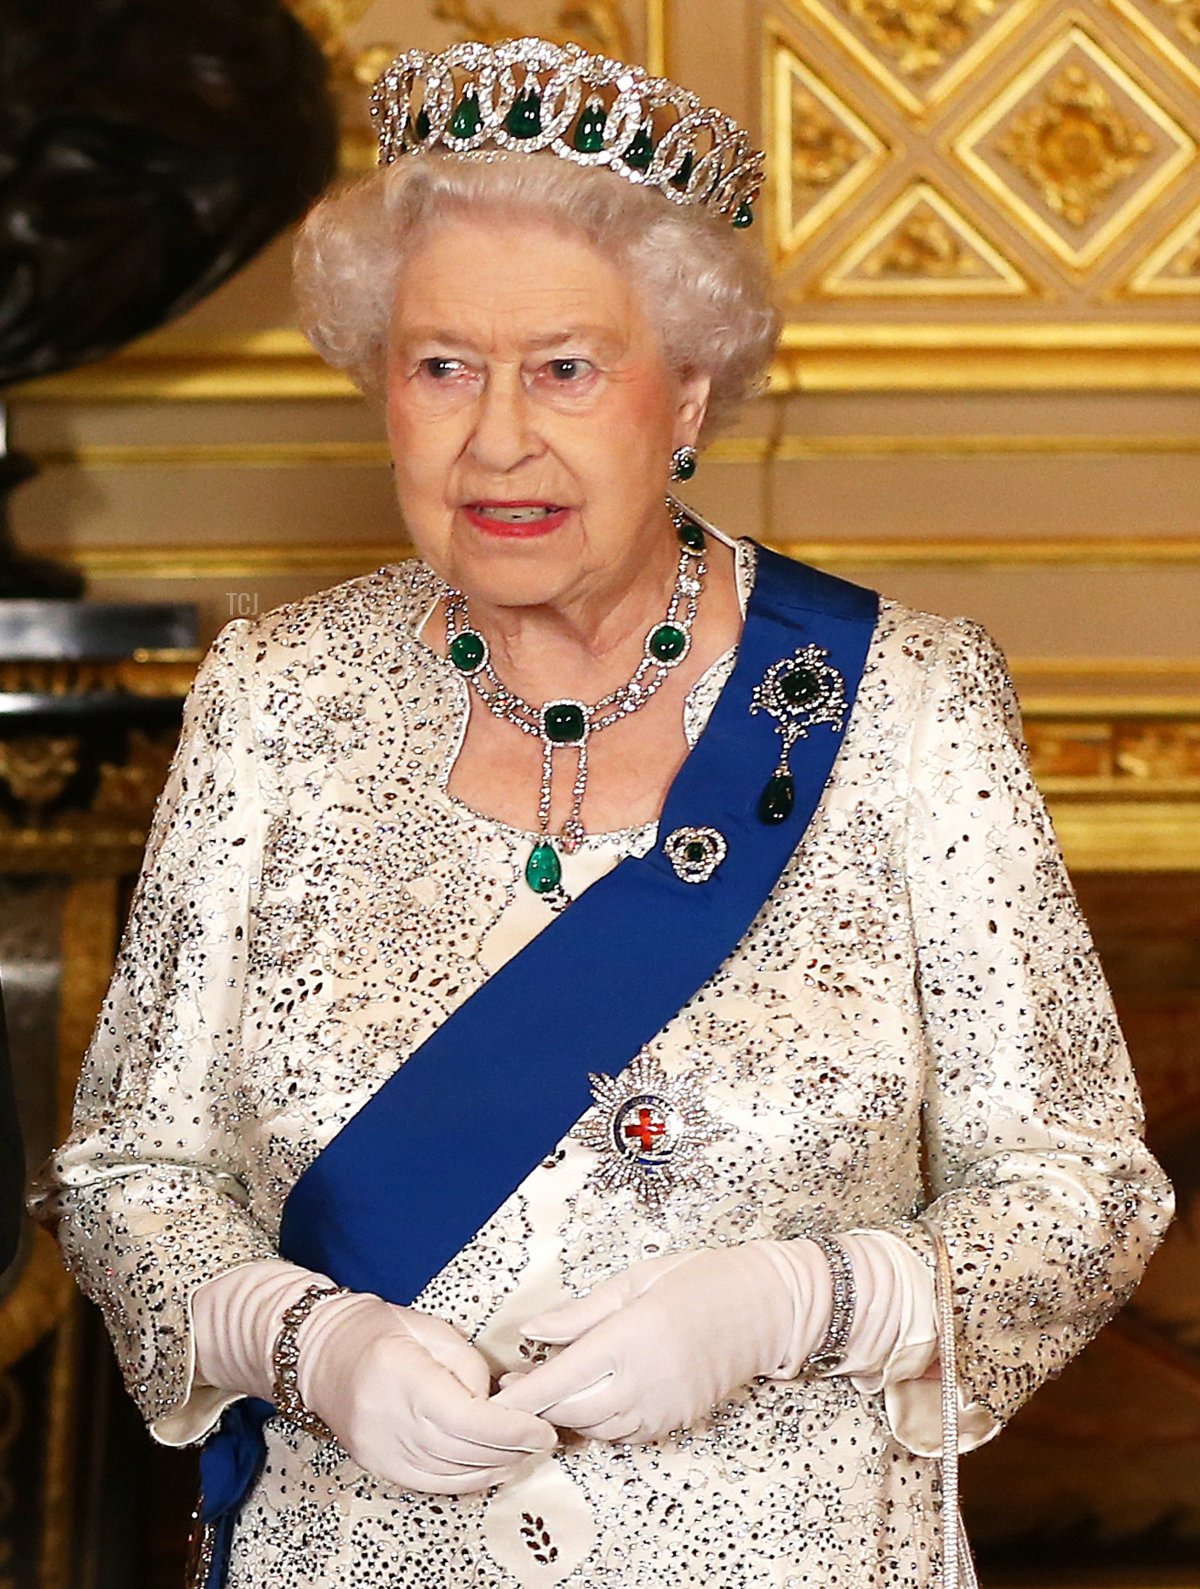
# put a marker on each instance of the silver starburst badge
(648, 1129)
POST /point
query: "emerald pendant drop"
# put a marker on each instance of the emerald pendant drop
(684, 175)
(777, 799)
(524, 120)
(422, 124)
(743, 216)
(543, 869)
(466, 118)
(589, 134)
(641, 150)
(691, 536)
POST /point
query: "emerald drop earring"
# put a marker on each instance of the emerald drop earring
(683, 463)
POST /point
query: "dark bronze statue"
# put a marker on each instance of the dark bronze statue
(148, 148)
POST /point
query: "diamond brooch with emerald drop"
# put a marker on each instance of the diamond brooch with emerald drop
(800, 692)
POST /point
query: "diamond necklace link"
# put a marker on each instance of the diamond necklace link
(569, 724)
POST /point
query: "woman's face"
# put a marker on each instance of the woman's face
(531, 415)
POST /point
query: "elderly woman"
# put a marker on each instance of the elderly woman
(588, 982)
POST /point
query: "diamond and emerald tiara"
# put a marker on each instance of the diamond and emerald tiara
(527, 95)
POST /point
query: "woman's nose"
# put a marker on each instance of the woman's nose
(504, 435)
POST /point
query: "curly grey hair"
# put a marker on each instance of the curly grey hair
(703, 287)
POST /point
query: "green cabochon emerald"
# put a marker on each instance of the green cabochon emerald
(777, 799)
(684, 175)
(564, 722)
(800, 687)
(468, 651)
(667, 643)
(589, 134)
(524, 120)
(543, 869)
(641, 151)
(465, 121)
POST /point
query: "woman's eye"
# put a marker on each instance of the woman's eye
(441, 369)
(568, 370)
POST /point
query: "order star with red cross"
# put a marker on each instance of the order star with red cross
(649, 1130)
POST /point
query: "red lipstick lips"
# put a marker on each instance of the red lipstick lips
(521, 521)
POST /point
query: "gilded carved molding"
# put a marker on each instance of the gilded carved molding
(922, 246)
(826, 149)
(1075, 150)
(1043, 156)
(921, 40)
(1075, 145)
(1117, 750)
(1173, 268)
(1169, 28)
(919, 54)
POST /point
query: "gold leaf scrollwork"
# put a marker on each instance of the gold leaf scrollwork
(1076, 146)
(921, 36)
(595, 24)
(1162, 750)
(129, 789)
(822, 151)
(924, 246)
(37, 767)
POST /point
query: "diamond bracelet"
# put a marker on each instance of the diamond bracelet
(285, 1362)
(830, 1354)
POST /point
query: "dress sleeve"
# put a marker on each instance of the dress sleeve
(147, 1192)
(1041, 1185)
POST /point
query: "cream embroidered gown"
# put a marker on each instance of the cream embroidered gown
(314, 904)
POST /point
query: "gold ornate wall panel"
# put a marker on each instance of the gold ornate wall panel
(1029, 166)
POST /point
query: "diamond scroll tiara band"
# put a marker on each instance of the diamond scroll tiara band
(527, 95)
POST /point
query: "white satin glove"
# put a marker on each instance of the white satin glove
(405, 1395)
(657, 1347)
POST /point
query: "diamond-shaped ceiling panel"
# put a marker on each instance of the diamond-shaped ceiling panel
(919, 50)
(923, 246)
(822, 151)
(1075, 148)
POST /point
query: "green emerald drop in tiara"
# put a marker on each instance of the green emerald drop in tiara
(528, 95)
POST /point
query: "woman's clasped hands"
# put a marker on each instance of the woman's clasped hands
(651, 1350)
(403, 1393)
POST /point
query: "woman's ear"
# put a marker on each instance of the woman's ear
(694, 389)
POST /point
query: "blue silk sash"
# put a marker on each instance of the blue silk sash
(428, 1160)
